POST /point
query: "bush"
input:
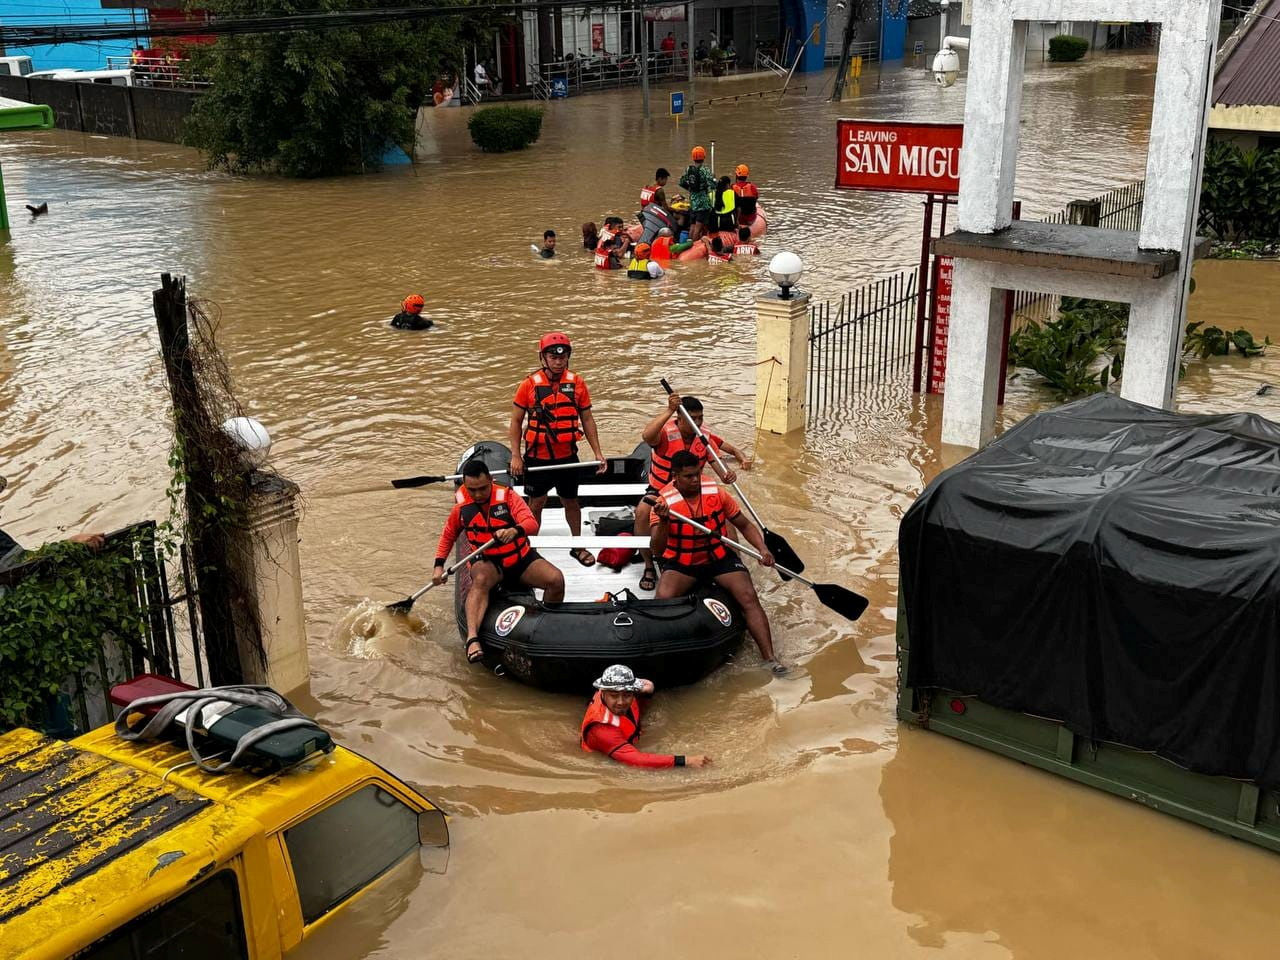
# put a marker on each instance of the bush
(1240, 194)
(1064, 48)
(501, 129)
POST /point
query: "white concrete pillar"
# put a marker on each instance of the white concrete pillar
(973, 356)
(265, 555)
(992, 108)
(782, 370)
(1154, 343)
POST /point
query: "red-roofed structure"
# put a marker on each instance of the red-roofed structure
(1246, 87)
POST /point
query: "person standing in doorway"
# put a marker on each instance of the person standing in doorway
(551, 412)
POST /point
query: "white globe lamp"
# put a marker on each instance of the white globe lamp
(252, 439)
(785, 269)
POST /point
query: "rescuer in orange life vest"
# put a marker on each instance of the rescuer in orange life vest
(612, 722)
(551, 411)
(660, 179)
(689, 556)
(485, 510)
(669, 433)
(747, 195)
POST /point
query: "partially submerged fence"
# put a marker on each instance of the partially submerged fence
(865, 339)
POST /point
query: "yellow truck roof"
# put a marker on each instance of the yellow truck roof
(92, 828)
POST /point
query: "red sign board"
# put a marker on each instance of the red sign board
(941, 324)
(897, 155)
(597, 36)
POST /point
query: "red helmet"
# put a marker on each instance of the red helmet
(554, 339)
(413, 303)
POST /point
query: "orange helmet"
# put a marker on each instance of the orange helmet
(642, 249)
(554, 339)
(413, 303)
(741, 170)
(699, 153)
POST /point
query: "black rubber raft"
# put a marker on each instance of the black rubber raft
(564, 646)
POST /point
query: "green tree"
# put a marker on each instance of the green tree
(323, 102)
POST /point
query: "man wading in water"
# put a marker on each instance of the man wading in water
(690, 557)
(612, 722)
(557, 406)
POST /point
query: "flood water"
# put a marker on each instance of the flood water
(824, 827)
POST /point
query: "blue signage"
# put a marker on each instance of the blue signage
(677, 104)
(559, 87)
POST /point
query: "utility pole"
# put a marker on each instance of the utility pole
(846, 48)
(644, 60)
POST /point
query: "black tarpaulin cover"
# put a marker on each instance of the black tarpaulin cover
(1115, 567)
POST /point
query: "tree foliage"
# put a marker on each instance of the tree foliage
(318, 103)
(1240, 195)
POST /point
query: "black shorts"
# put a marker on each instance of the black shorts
(704, 217)
(565, 481)
(511, 575)
(708, 571)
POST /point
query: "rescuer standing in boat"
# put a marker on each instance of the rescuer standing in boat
(690, 556)
(484, 510)
(700, 183)
(612, 722)
(550, 413)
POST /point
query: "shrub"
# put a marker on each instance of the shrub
(501, 129)
(1064, 48)
(1240, 195)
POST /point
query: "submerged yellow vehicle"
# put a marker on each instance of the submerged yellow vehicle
(112, 850)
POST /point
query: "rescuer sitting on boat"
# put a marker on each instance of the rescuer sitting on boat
(551, 411)
(612, 722)
(689, 556)
(410, 316)
(484, 510)
(669, 433)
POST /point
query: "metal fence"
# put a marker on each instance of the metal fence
(864, 338)
(162, 644)
(1118, 209)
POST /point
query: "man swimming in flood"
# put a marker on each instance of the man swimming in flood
(410, 316)
(611, 724)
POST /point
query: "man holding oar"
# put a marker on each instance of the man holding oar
(690, 555)
(557, 407)
(484, 511)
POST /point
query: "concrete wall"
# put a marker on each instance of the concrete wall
(147, 113)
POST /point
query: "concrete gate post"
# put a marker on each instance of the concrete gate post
(265, 553)
(973, 355)
(782, 368)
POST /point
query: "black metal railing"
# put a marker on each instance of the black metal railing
(864, 338)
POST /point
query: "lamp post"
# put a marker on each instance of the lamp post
(785, 269)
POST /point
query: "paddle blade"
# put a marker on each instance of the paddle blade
(783, 554)
(416, 481)
(401, 606)
(843, 601)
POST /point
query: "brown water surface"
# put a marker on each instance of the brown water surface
(823, 828)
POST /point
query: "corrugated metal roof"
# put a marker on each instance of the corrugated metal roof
(65, 812)
(1250, 75)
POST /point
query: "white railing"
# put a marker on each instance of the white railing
(158, 71)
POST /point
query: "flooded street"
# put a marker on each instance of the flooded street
(824, 828)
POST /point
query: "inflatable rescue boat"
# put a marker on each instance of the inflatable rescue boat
(699, 250)
(605, 617)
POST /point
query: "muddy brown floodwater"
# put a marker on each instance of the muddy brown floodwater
(824, 828)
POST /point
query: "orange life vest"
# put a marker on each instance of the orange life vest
(686, 545)
(598, 714)
(713, 257)
(480, 521)
(671, 443)
(603, 260)
(746, 250)
(553, 418)
(660, 250)
(646, 195)
(746, 202)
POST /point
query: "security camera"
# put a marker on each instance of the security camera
(946, 67)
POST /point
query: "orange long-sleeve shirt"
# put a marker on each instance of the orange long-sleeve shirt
(521, 517)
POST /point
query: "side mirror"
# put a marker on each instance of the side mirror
(433, 840)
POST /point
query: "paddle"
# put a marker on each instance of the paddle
(404, 482)
(777, 545)
(405, 605)
(833, 596)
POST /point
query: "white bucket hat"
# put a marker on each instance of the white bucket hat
(619, 678)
